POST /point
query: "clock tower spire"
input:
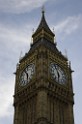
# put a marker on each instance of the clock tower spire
(43, 30)
(43, 86)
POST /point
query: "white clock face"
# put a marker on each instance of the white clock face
(57, 73)
(27, 74)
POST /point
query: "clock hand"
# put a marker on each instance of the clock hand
(57, 73)
(26, 74)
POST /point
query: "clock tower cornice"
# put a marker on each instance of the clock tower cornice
(49, 46)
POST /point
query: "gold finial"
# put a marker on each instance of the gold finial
(55, 36)
(53, 30)
(31, 41)
(66, 53)
(32, 37)
(69, 64)
(21, 55)
(43, 9)
(33, 31)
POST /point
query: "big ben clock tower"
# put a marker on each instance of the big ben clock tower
(43, 87)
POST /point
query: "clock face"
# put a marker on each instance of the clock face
(27, 74)
(57, 73)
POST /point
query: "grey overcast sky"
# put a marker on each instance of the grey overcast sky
(17, 20)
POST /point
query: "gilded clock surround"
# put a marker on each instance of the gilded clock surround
(43, 100)
(57, 73)
(27, 74)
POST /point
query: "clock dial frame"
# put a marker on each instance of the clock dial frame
(57, 73)
(27, 74)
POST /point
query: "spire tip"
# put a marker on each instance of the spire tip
(43, 9)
